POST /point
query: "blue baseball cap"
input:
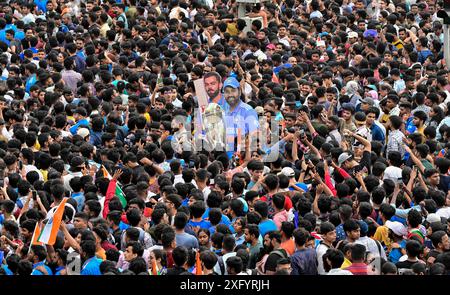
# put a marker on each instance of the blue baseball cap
(231, 82)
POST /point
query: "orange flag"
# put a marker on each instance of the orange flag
(283, 124)
(154, 268)
(106, 173)
(198, 265)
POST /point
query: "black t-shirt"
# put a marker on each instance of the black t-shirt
(176, 271)
(432, 256)
(444, 182)
(405, 264)
(274, 257)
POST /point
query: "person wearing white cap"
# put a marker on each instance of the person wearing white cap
(352, 37)
(397, 232)
(84, 133)
(287, 171)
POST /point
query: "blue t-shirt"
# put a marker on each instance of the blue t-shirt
(377, 133)
(36, 272)
(123, 226)
(225, 220)
(267, 226)
(58, 270)
(7, 270)
(75, 127)
(409, 125)
(202, 224)
(396, 253)
(30, 82)
(91, 267)
(41, 5)
(187, 241)
(79, 197)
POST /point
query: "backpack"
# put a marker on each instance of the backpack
(279, 253)
(221, 265)
(261, 265)
(122, 18)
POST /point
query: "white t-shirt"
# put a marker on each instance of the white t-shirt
(178, 179)
(443, 212)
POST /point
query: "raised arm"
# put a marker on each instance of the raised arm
(72, 242)
(148, 162)
(306, 119)
(111, 191)
(415, 160)
(365, 142)
(319, 191)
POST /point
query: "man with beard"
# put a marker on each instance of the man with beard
(213, 85)
(240, 118)
(251, 234)
(272, 245)
(347, 117)
(181, 138)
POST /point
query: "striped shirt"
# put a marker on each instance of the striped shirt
(395, 142)
(358, 269)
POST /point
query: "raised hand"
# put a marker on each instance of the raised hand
(117, 174)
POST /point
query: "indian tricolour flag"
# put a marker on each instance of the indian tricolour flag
(36, 234)
(119, 193)
(106, 173)
(51, 228)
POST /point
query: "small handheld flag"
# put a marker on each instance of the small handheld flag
(106, 173)
(198, 264)
(36, 234)
(51, 228)
(154, 267)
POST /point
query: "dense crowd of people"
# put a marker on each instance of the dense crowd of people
(174, 137)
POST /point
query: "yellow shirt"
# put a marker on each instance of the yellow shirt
(70, 118)
(147, 117)
(232, 29)
(346, 263)
(44, 174)
(398, 44)
(382, 235)
(421, 130)
(384, 118)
